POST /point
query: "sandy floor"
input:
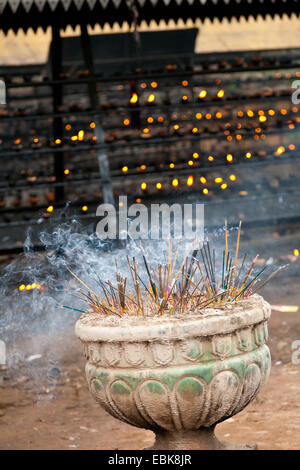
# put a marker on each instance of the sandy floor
(41, 411)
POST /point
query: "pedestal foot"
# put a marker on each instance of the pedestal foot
(202, 439)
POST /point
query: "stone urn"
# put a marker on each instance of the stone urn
(178, 375)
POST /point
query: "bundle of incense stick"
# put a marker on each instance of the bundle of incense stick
(175, 287)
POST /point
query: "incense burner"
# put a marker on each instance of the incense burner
(178, 375)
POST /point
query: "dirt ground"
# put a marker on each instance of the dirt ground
(48, 406)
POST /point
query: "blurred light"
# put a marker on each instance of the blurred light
(67, 171)
(172, 165)
(208, 116)
(224, 186)
(81, 135)
(260, 112)
(248, 155)
(205, 191)
(195, 130)
(150, 119)
(184, 98)
(154, 84)
(92, 125)
(250, 113)
(28, 287)
(262, 118)
(143, 185)
(175, 127)
(280, 150)
(74, 138)
(283, 111)
(126, 122)
(143, 85)
(160, 119)
(196, 155)
(271, 112)
(58, 141)
(146, 130)
(203, 179)
(190, 162)
(240, 113)
(158, 185)
(68, 127)
(198, 116)
(138, 200)
(143, 167)
(134, 98)
(229, 157)
(220, 93)
(232, 177)
(22, 287)
(294, 109)
(238, 137)
(202, 94)
(151, 98)
(292, 147)
(84, 208)
(17, 141)
(218, 115)
(121, 204)
(50, 209)
(211, 158)
(190, 181)
(218, 180)
(229, 138)
(175, 182)
(125, 169)
(184, 83)
(296, 252)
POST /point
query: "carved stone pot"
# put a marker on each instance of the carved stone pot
(178, 376)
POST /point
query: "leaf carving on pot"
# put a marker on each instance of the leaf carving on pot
(112, 353)
(190, 394)
(163, 353)
(244, 339)
(224, 393)
(122, 399)
(221, 346)
(99, 393)
(134, 353)
(191, 350)
(251, 385)
(153, 403)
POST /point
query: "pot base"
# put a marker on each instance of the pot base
(201, 439)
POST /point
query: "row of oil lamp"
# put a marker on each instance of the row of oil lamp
(194, 161)
(145, 98)
(177, 129)
(207, 185)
